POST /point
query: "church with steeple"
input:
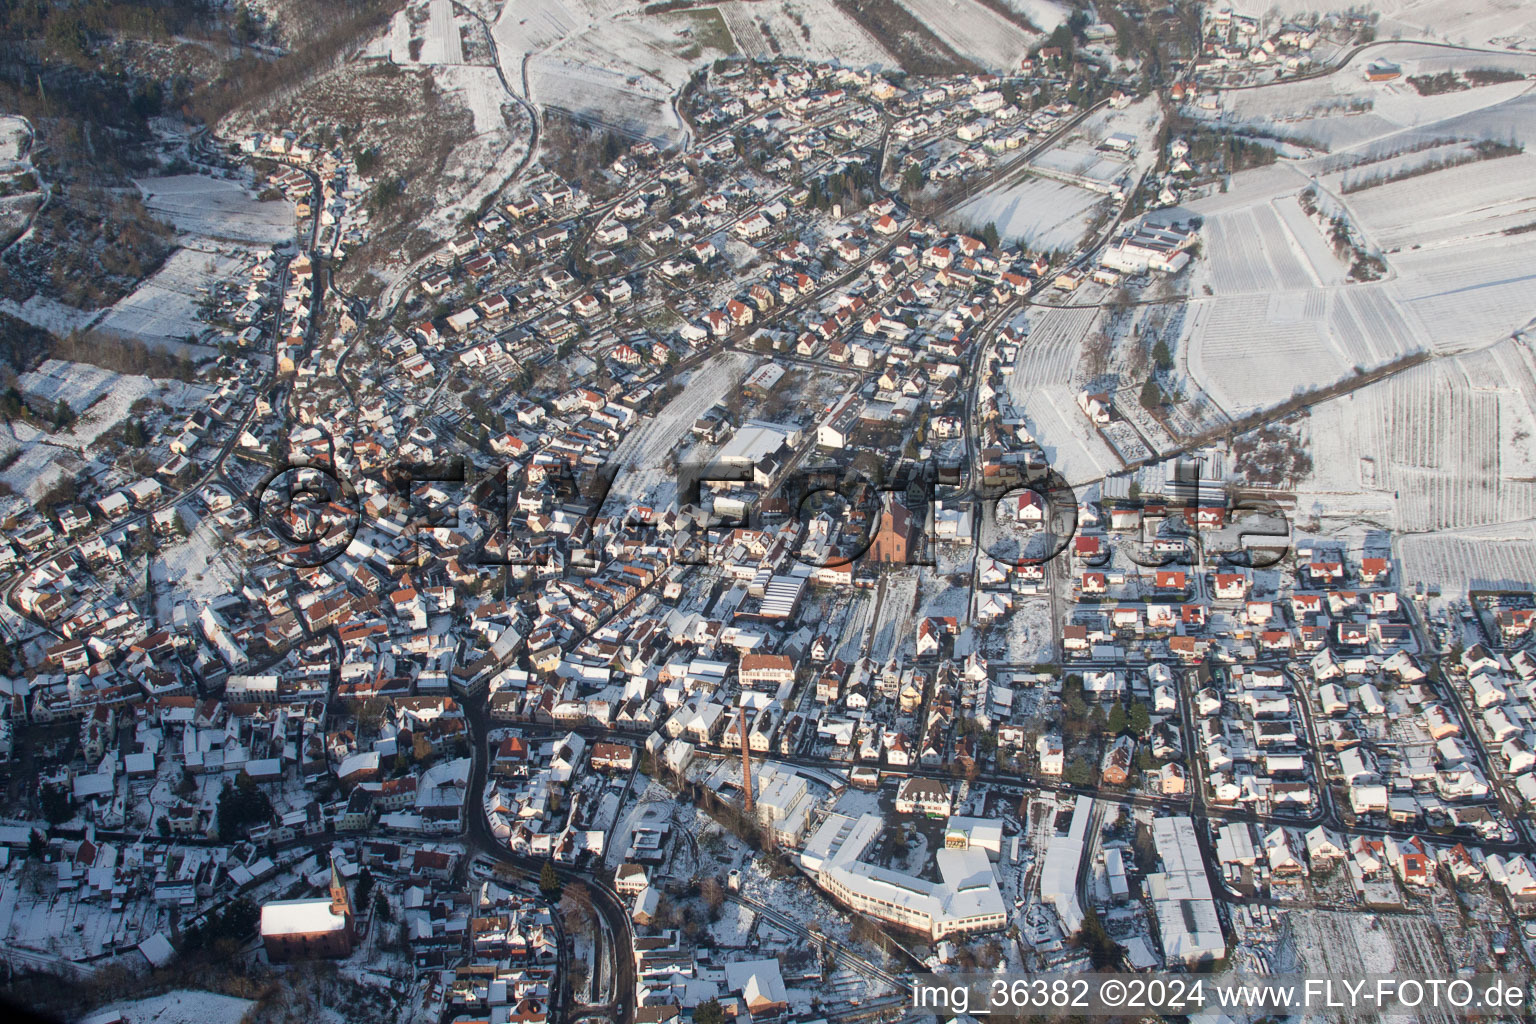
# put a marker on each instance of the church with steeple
(306, 929)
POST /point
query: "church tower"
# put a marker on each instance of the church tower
(341, 900)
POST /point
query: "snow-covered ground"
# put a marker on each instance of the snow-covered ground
(973, 30)
(640, 455)
(49, 314)
(184, 1006)
(1045, 15)
(195, 569)
(100, 398)
(15, 137)
(1466, 22)
(1342, 111)
(1039, 213)
(816, 29)
(165, 307)
(1029, 638)
(606, 63)
(1441, 446)
(897, 627)
(443, 43)
(216, 208)
(479, 89)
(1044, 387)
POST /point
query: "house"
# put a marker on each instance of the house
(927, 796)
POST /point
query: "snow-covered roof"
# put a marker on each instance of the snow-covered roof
(300, 917)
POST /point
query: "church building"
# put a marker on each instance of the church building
(302, 929)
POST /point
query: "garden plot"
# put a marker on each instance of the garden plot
(895, 628)
(850, 641)
(164, 310)
(216, 208)
(1039, 213)
(815, 29)
(974, 31)
(1338, 943)
(640, 456)
(194, 570)
(1026, 637)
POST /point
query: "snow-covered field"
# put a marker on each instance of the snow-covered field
(50, 315)
(1342, 111)
(640, 455)
(815, 29)
(1045, 15)
(165, 307)
(15, 137)
(1039, 213)
(1252, 351)
(1462, 278)
(608, 64)
(1444, 445)
(896, 627)
(443, 44)
(193, 569)
(185, 1006)
(974, 31)
(1495, 558)
(1044, 387)
(1466, 22)
(479, 89)
(215, 208)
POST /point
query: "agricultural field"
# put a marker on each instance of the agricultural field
(618, 67)
(1045, 15)
(1249, 352)
(1457, 271)
(219, 209)
(443, 43)
(1038, 213)
(1448, 442)
(164, 310)
(1044, 387)
(1497, 23)
(1342, 111)
(640, 455)
(973, 30)
(1493, 558)
(815, 29)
